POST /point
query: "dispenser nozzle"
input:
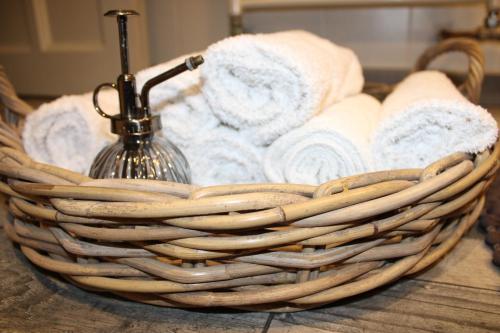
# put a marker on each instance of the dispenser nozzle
(193, 62)
(190, 63)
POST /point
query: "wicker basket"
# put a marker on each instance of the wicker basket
(266, 247)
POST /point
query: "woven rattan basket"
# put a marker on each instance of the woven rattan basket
(266, 247)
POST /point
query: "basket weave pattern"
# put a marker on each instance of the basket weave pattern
(267, 247)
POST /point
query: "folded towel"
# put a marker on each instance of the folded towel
(68, 132)
(331, 145)
(268, 84)
(224, 156)
(185, 114)
(426, 118)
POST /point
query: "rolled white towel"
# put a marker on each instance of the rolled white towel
(183, 121)
(224, 156)
(185, 114)
(68, 132)
(333, 144)
(426, 118)
(268, 84)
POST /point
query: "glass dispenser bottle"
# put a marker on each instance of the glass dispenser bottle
(139, 152)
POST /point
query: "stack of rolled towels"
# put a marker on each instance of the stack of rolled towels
(280, 107)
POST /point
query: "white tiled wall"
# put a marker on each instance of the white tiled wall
(383, 37)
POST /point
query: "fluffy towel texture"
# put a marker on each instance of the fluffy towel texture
(426, 118)
(186, 118)
(268, 84)
(184, 111)
(224, 156)
(68, 132)
(333, 144)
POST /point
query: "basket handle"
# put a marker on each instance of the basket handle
(471, 87)
(9, 97)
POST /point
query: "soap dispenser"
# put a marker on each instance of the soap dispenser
(139, 153)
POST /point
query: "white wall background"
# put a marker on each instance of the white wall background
(383, 37)
(177, 27)
(82, 50)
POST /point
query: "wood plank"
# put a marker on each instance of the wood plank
(407, 306)
(468, 264)
(34, 301)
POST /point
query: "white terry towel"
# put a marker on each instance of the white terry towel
(333, 144)
(224, 156)
(184, 120)
(426, 118)
(184, 111)
(68, 132)
(268, 84)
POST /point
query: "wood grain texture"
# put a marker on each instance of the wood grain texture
(408, 306)
(469, 265)
(446, 298)
(32, 300)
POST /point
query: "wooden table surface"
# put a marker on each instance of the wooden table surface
(459, 294)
